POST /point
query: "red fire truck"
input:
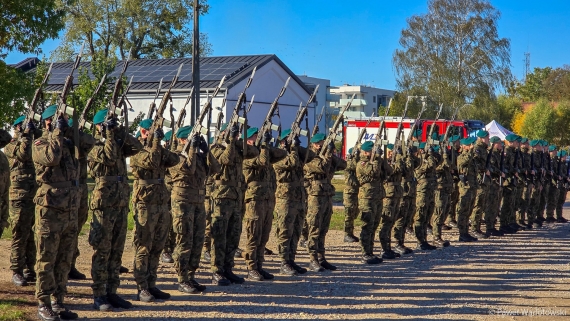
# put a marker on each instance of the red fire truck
(352, 128)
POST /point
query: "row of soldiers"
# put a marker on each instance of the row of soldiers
(204, 195)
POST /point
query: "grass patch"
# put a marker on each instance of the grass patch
(17, 303)
(337, 221)
(10, 310)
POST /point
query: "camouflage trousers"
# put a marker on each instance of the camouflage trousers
(4, 196)
(424, 209)
(451, 214)
(508, 208)
(207, 233)
(561, 200)
(480, 206)
(189, 224)
(56, 233)
(543, 199)
(464, 207)
(370, 215)
(226, 226)
(441, 197)
(107, 236)
(551, 200)
(523, 198)
(534, 204)
(493, 205)
(170, 242)
(22, 216)
(290, 220)
(350, 201)
(319, 213)
(390, 208)
(82, 214)
(257, 225)
(404, 218)
(152, 225)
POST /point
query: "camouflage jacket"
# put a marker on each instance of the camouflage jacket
(536, 165)
(393, 182)
(495, 166)
(289, 176)
(107, 165)
(511, 169)
(57, 171)
(4, 187)
(319, 173)
(443, 172)
(22, 171)
(425, 172)
(467, 170)
(350, 181)
(149, 169)
(371, 175)
(189, 175)
(86, 143)
(257, 167)
(228, 182)
(480, 157)
(409, 183)
(524, 166)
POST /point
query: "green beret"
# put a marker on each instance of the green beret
(511, 138)
(533, 142)
(146, 123)
(454, 138)
(284, 134)
(524, 140)
(561, 153)
(318, 137)
(167, 136)
(183, 132)
(422, 145)
(544, 143)
(552, 148)
(435, 136)
(19, 120)
(138, 134)
(464, 141)
(100, 117)
(436, 148)
(417, 133)
(223, 127)
(472, 140)
(70, 122)
(367, 146)
(49, 112)
(252, 131)
(211, 140)
(350, 150)
(494, 140)
(390, 146)
(482, 133)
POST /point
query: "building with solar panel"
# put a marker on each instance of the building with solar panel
(147, 74)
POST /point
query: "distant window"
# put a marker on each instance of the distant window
(374, 99)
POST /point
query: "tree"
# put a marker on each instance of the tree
(533, 87)
(453, 51)
(152, 29)
(557, 84)
(502, 109)
(563, 123)
(24, 26)
(540, 122)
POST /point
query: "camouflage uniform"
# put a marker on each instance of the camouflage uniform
(188, 209)
(370, 175)
(408, 202)
(534, 204)
(350, 196)
(22, 207)
(56, 199)
(425, 175)
(562, 190)
(109, 205)
(152, 219)
(545, 182)
(5, 138)
(526, 187)
(318, 173)
(290, 203)
(510, 186)
(552, 180)
(495, 191)
(467, 170)
(226, 196)
(171, 238)
(442, 193)
(480, 157)
(393, 195)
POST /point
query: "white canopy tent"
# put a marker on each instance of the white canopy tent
(495, 129)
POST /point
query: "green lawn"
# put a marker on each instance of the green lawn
(11, 310)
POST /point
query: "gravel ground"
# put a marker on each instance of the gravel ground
(518, 277)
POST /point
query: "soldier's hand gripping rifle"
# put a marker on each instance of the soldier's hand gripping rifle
(449, 127)
(296, 130)
(235, 118)
(62, 98)
(399, 131)
(488, 163)
(32, 115)
(378, 141)
(361, 135)
(198, 128)
(333, 137)
(268, 125)
(415, 125)
(429, 140)
(83, 123)
(159, 120)
(314, 132)
(152, 106)
(179, 121)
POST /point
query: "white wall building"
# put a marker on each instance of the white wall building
(367, 100)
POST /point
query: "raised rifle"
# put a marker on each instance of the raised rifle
(429, 140)
(399, 131)
(296, 130)
(159, 120)
(502, 167)
(314, 132)
(235, 118)
(32, 115)
(179, 121)
(488, 163)
(378, 138)
(62, 98)
(83, 123)
(449, 126)
(415, 124)
(268, 125)
(332, 137)
(361, 135)
(198, 128)
(152, 106)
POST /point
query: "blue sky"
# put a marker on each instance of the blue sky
(353, 41)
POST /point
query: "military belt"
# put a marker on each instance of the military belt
(291, 184)
(62, 184)
(191, 189)
(151, 181)
(393, 183)
(411, 179)
(321, 181)
(21, 172)
(114, 179)
(256, 183)
(228, 183)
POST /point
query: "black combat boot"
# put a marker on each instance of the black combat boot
(166, 257)
(327, 265)
(266, 275)
(315, 266)
(478, 234)
(466, 238)
(145, 296)
(303, 243)
(123, 270)
(118, 302)
(64, 313)
(300, 270)
(287, 269)
(229, 274)
(45, 313)
(76, 275)
(561, 220)
(267, 251)
(550, 219)
(198, 286)
(30, 276)
(207, 256)
(157, 293)
(350, 238)
(452, 223)
(370, 259)
(440, 243)
(220, 279)
(239, 253)
(19, 280)
(101, 303)
(254, 275)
